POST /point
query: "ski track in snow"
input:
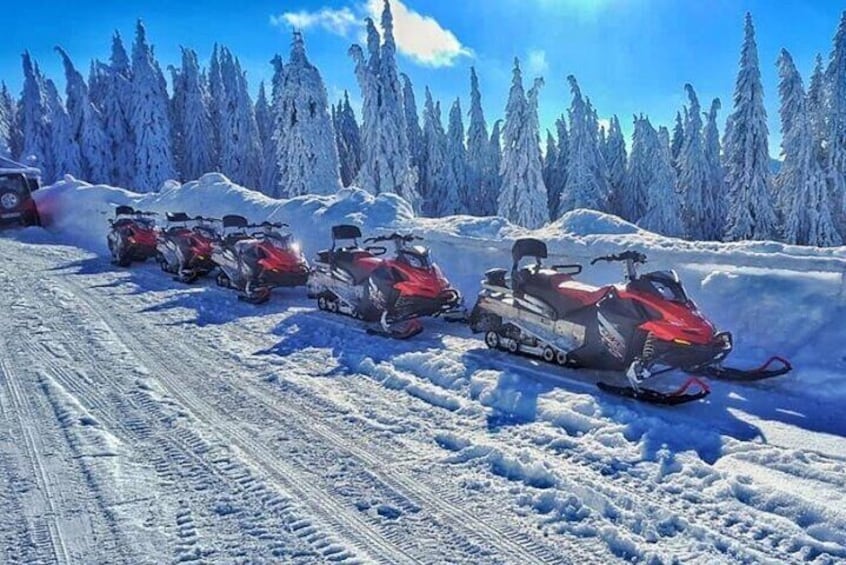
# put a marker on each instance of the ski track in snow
(146, 421)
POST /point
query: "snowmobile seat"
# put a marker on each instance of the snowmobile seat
(557, 289)
(345, 232)
(528, 247)
(357, 262)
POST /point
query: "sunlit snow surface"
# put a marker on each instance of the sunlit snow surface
(145, 421)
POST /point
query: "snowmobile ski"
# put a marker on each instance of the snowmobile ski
(673, 398)
(765, 371)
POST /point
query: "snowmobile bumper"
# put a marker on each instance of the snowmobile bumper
(284, 278)
(691, 356)
(447, 303)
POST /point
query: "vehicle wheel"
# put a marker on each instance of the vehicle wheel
(513, 346)
(222, 280)
(322, 303)
(562, 359)
(548, 354)
(492, 340)
(333, 306)
(119, 255)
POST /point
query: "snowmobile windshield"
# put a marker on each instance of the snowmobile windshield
(418, 257)
(282, 241)
(667, 285)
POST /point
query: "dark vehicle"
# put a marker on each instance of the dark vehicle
(17, 183)
(391, 291)
(645, 327)
(133, 236)
(186, 251)
(255, 263)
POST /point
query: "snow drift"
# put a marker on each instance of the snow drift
(775, 298)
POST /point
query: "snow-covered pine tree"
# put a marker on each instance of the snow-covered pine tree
(194, 120)
(217, 104)
(664, 208)
(440, 192)
(817, 108)
(240, 148)
(149, 120)
(7, 118)
(64, 147)
(86, 125)
(835, 112)
(800, 184)
(264, 119)
(715, 194)
(270, 161)
(386, 160)
(550, 160)
(634, 198)
(587, 181)
(33, 112)
(413, 131)
(750, 210)
(482, 177)
(616, 159)
(693, 172)
(558, 179)
(308, 157)
(522, 199)
(348, 141)
(490, 197)
(677, 140)
(15, 139)
(116, 109)
(457, 158)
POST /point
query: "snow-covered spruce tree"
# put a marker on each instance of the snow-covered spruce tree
(482, 176)
(616, 159)
(116, 109)
(664, 208)
(86, 125)
(677, 140)
(149, 120)
(558, 177)
(64, 147)
(386, 160)
(10, 108)
(439, 191)
(33, 112)
(750, 211)
(835, 111)
(217, 104)
(7, 118)
(550, 159)
(306, 151)
(800, 183)
(587, 182)
(193, 120)
(715, 194)
(522, 199)
(693, 172)
(348, 140)
(817, 108)
(240, 148)
(270, 161)
(413, 131)
(490, 197)
(264, 119)
(457, 157)
(635, 194)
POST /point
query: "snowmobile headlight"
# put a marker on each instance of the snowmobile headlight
(681, 342)
(295, 247)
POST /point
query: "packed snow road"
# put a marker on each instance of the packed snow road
(144, 421)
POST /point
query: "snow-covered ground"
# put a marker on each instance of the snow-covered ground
(144, 421)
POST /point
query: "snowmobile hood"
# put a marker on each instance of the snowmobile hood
(674, 321)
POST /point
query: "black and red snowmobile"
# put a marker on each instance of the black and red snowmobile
(185, 247)
(644, 328)
(255, 263)
(133, 236)
(389, 293)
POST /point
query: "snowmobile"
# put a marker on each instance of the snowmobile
(255, 263)
(644, 328)
(133, 236)
(389, 294)
(186, 251)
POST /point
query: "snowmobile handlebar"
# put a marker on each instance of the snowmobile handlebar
(277, 225)
(394, 237)
(633, 256)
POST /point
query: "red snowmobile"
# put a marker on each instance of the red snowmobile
(133, 236)
(644, 328)
(256, 263)
(186, 251)
(390, 293)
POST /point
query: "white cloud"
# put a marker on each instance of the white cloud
(537, 64)
(340, 22)
(421, 37)
(605, 123)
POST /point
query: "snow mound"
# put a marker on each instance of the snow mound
(590, 222)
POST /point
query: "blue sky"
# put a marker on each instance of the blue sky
(630, 56)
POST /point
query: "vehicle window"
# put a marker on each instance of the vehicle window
(13, 183)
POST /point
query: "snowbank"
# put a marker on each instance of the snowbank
(775, 298)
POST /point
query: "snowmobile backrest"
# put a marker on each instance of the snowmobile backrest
(234, 221)
(177, 217)
(124, 211)
(528, 247)
(345, 231)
